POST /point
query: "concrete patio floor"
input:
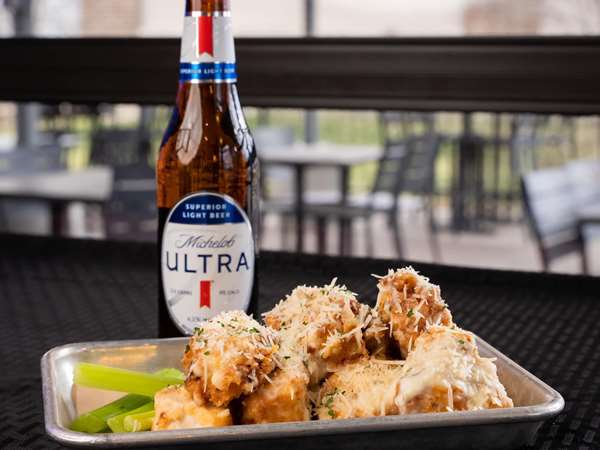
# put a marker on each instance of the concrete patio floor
(505, 246)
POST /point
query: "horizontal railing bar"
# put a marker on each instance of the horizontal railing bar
(527, 74)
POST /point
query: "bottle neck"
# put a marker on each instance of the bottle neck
(207, 45)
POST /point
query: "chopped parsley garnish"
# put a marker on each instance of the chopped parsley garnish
(198, 331)
(254, 330)
(461, 342)
(207, 353)
(331, 413)
(410, 313)
(286, 357)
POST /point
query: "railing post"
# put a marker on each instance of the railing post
(311, 123)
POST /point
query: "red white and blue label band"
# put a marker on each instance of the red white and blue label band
(207, 72)
(208, 52)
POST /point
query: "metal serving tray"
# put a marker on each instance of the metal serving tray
(494, 429)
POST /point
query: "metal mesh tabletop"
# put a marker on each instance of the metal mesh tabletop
(55, 292)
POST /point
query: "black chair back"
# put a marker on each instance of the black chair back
(390, 166)
(397, 125)
(408, 166)
(131, 213)
(418, 173)
(119, 147)
(551, 207)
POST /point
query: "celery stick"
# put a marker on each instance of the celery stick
(116, 423)
(95, 421)
(88, 423)
(121, 380)
(171, 373)
(139, 422)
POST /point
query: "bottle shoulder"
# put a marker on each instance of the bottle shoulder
(208, 133)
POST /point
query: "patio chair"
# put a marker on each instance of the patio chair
(119, 147)
(131, 213)
(551, 206)
(406, 167)
(538, 142)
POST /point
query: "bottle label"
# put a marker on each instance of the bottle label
(207, 49)
(207, 259)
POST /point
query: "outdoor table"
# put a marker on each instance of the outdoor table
(56, 291)
(59, 189)
(589, 215)
(302, 156)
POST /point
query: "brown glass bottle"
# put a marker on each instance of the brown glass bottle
(207, 183)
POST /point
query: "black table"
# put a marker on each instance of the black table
(304, 156)
(55, 291)
(60, 189)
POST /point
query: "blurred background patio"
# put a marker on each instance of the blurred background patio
(516, 191)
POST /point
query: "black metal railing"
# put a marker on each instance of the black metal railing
(544, 75)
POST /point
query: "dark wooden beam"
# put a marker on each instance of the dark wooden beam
(545, 75)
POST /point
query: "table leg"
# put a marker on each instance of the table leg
(58, 214)
(585, 262)
(458, 197)
(345, 224)
(497, 150)
(299, 193)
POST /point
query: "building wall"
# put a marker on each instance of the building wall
(501, 17)
(111, 17)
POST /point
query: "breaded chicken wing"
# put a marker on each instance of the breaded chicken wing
(365, 388)
(409, 303)
(229, 356)
(377, 338)
(444, 372)
(176, 410)
(285, 398)
(321, 326)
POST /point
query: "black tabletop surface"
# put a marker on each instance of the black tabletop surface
(54, 292)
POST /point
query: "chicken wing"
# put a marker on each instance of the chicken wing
(284, 399)
(175, 409)
(229, 356)
(409, 303)
(444, 372)
(365, 388)
(321, 326)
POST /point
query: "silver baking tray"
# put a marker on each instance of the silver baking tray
(499, 428)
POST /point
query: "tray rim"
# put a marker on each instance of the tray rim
(523, 414)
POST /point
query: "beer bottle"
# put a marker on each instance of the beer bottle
(207, 183)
